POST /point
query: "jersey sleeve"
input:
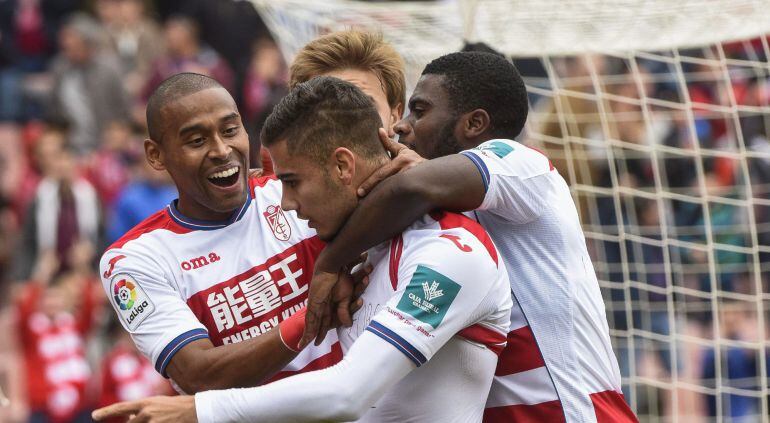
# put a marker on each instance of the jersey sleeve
(446, 283)
(518, 180)
(148, 307)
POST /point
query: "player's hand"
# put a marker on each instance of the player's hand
(323, 300)
(319, 305)
(403, 159)
(180, 409)
(347, 292)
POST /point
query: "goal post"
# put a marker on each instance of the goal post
(657, 113)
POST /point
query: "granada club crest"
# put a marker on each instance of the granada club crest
(125, 294)
(278, 223)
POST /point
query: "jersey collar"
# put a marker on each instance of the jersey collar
(207, 225)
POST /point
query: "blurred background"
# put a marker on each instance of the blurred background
(657, 115)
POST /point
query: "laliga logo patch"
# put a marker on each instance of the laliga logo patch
(131, 302)
(125, 294)
(278, 223)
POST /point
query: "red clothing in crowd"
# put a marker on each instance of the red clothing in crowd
(54, 353)
(127, 375)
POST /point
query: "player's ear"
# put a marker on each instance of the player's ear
(154, 154)
(396, 113)
(344, 165)
(475, 123)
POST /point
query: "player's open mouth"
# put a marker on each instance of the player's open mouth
(225, 178)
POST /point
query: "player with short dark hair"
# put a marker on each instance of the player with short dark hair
(210, 287)
(477, 80)
(423, 347)
(559, 364)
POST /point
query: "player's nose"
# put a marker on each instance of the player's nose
(288, 203)
(220, 149)
(404, 130)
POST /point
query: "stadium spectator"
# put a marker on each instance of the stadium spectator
(55, 315)
(125, 374)
(108, 168)
(28, 31)
(148, 192)
(88, 91)
(263, 88)
(136, 39)
(186, 53)
(739, 365)
(65, 211)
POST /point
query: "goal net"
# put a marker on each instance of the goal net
(657, 113)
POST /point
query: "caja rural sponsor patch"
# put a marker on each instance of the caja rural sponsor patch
(428, 296)
(131, 302)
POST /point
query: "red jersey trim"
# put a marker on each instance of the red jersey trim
(158, 221)
(611, 407)
(260, 182)
(396, 248)
(521, 354)
(492, 339)
(453, 220)
(549, 411)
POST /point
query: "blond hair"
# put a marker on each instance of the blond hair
(354, 49)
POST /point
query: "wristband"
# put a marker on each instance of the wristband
(292, 328)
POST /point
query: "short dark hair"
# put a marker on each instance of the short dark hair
(172, 89)
(475, 80)
(322, 114)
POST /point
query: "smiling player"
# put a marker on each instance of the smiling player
(209, 286)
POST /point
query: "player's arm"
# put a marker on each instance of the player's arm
(200, 366)
(343, 392)
(166, 331)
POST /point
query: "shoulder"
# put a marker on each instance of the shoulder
(449, 241)
(510, 158)
(265, 186)
(159, 221)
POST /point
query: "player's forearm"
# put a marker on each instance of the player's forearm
(449, 183)
(389, 209)
(343, 392)
(246, 363)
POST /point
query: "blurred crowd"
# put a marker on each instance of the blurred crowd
(663, 155)
(669, 160)
(74, 80)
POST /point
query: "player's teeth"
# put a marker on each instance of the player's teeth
(225, 173)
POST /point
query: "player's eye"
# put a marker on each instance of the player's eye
(196, 142)
(418, 112)
(231, 131)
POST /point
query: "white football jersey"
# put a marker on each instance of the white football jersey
(440, 296)
(559, 364)
(173, 280)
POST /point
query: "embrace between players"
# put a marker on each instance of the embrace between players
(491, 316)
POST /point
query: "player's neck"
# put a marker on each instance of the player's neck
(194, 210)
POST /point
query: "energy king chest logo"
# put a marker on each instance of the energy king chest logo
(500, 149)
(428, 296)
(131, 302)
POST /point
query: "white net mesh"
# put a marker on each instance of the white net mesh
(658, 115)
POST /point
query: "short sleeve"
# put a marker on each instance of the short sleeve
(148, 307)
(518, 180)
(442, 289)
